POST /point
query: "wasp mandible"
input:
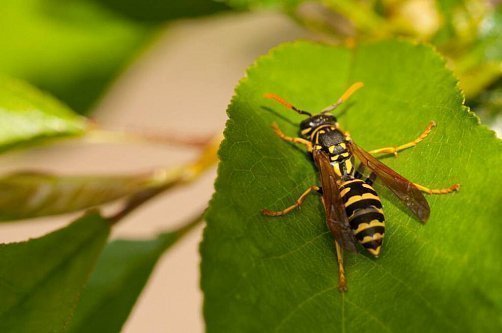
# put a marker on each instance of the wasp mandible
(353, 208)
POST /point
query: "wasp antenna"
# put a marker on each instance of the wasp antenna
(352, 89)
(286, 104)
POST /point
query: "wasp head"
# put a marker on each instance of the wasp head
(310, 124)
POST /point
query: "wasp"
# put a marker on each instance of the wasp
(353, 209)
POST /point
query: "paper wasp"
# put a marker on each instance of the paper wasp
(352, 206)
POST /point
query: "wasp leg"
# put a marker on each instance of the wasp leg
(342, 282)
(359, 174)
(453, 188)
(290, 208)
(283, 136)
(395, 150)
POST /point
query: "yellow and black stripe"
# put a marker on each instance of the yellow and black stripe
(329, 139)
(364, 210)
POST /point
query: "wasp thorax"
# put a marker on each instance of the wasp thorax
(310, 124)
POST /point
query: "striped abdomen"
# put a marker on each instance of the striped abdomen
(365, 214)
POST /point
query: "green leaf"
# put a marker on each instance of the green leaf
(121, 274)
(246, 4)
(479, 68)
(27, 195)
(158, 11)
(27, 116)
(74, 49)
(41, 279)
(280, 274)
(70, 48)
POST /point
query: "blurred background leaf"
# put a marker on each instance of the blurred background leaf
(26, 195)
(74, 49)
(120, 276)
(280, 274)
(70, 48)
(42, 279)
(154, 11)
(467, 32)
(28, 116)
(254, 4)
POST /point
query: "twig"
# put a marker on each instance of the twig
(100, 135)
(164, 180)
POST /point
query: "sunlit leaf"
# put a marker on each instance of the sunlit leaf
(28, 115)
(27, 195)
(280, 274)
(74, 49)
(70, 48)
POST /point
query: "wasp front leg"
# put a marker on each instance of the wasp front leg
(396, 149)
(298, 203)
(284, 137)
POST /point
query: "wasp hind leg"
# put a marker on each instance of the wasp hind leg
(453, 188)
(298, 203)
(286, 138)
(396, 149)
(372, 177)
(342, 281)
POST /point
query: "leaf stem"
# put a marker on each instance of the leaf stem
(164, 179)
(100, 135)
(184, 229)
(134, 202)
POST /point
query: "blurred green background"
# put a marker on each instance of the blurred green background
(75, 48)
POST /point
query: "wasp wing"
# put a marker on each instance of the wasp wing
(405, 190)
(336, 217)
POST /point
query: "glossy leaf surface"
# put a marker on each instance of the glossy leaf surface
(28, 115)
(280, 274)
(26, 195)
